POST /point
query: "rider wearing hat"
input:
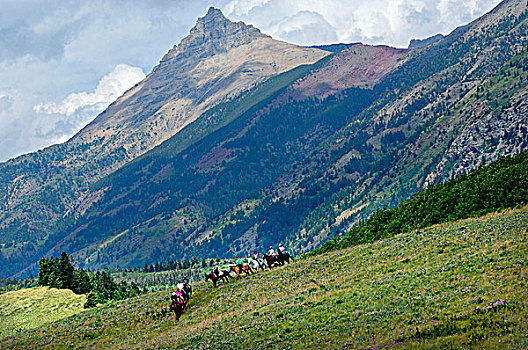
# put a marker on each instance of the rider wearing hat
(271, 252)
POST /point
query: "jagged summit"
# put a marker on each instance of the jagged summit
(214, 34)
(217, 59)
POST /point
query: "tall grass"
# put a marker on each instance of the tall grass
(455, 285)
(33, 307)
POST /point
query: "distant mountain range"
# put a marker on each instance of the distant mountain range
(236, 141)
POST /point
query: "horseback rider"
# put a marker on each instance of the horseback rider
(187, 287)
(255, 255)
(239, 263)
(177, 304)
(176, 298)
(271, 252)
(281, 249)
(216, 271)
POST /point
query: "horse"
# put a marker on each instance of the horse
(256, 264)
(224, 276)
(238, 271)
(178, 306)
(212, 277)
(284, 257)
(271, 260)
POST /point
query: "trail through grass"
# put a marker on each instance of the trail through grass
(456, 285)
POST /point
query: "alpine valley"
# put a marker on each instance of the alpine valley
(236, 141)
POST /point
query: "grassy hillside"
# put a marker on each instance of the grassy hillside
(33, 307)
(455, 285)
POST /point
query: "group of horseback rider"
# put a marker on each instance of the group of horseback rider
(255, 262)
(180, 297)
(183, 292)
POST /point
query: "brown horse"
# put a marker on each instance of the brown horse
(284, 257)
(238, 271)
(279, 259)
(212, 277)
(224, 276)
(178, 306)
(271, 260)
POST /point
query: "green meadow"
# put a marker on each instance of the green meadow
(455, 285)
(33, 307)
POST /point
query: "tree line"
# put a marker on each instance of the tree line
(172, 265)
(100, 287)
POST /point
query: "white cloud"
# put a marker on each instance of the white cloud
(304, 28)
(50, 50)
(109, 88)
(6, 102)
(391, 22)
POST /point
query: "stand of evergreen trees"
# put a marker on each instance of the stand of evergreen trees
(172, 265)
(99, 286)
(502, 184)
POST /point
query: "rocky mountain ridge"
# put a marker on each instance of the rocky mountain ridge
(217, 60)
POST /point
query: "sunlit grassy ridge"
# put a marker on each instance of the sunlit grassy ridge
(33, 307)
(455, 285)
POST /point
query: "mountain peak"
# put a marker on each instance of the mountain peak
(213, 12)
(214, 34)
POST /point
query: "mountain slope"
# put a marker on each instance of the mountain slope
(300, 157)
(456, 285)
(172, 192)
(300, 167)
(217, 61)
(33, 307)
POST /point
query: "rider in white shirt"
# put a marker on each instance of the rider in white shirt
(271, 252)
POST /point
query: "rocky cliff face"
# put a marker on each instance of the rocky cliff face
(213, 34)
(217, 60)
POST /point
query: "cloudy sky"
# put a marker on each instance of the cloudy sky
(62, 62)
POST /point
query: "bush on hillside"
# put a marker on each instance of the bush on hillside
(91, 300)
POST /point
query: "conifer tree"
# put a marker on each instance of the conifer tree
(66, 272)
(44, 272)
(82, 282)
